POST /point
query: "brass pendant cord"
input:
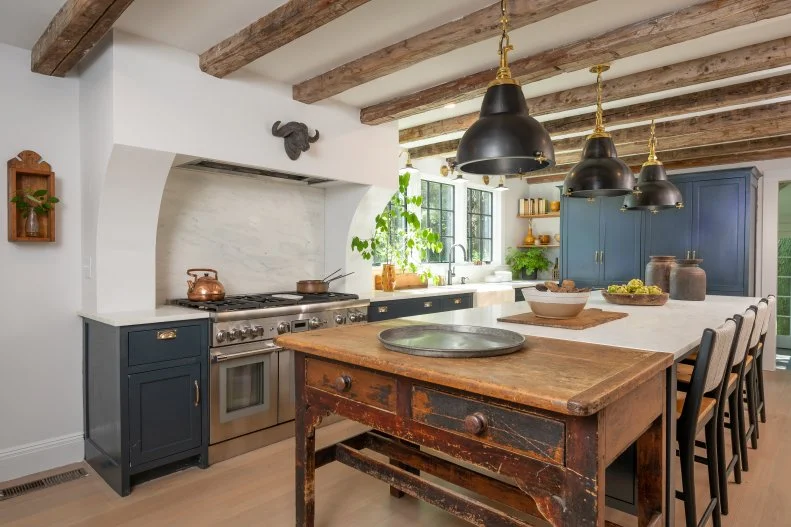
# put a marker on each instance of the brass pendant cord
(652, 159)
(598, 130)
(504, 71)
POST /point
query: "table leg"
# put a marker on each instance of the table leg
(305, 449)
(584, 491)
(670, 445)
(650, 463)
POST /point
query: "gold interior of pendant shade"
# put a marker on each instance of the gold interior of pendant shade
(504, 71)
(599, 130)
(652, 159)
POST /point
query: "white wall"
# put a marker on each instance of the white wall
(259, 235)
(40, 345)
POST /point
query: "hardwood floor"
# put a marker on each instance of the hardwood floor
(258, 489)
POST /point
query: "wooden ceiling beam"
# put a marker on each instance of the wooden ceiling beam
(738, 62)
(288, 22)
(733, 152)
(634, 139)
(475, 27)
(76, 28)
(671, 28)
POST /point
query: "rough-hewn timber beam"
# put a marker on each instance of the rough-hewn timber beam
(738, 62)
(777, 147)
(71, 34)
(671, 28)
(288, 22)
(475, 27)
(722, 125)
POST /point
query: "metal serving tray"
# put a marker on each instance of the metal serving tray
(451, 341)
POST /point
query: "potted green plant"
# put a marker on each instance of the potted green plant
(527, 263)
(33, 204)
(398, 239)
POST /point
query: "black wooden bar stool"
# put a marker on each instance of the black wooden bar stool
(751, 373)
(697, 412)
(771, 301)
(727, 392)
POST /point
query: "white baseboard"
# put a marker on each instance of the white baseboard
(43, 455)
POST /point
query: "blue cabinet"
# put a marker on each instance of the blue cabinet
(669, 232)
(600, 244)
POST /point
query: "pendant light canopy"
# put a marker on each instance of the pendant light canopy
(501, 187)
(408, 167)
(654, 190)
(505, 140)
(600, 172)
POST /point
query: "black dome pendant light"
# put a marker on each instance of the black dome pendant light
(600, 172)
(505, 140)
(655, 191)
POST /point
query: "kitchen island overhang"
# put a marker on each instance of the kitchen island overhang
(550, 418)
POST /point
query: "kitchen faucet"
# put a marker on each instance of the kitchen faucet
(452, 260)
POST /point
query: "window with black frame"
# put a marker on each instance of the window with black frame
(397, 223)
(479, 224)
(438, 214)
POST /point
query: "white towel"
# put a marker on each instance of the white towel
(490, 298)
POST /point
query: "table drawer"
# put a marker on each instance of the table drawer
(165, 343)
(354, 384)
(527, 434)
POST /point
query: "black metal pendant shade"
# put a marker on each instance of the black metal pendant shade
(654, 190)
(505, 140)
(600, 172)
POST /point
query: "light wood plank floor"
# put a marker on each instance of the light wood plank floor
(257, 489)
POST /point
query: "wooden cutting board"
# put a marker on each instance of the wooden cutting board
(589, 318)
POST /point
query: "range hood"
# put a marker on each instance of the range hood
(208, 165)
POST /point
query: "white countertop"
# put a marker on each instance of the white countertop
(381, 296)
(151, 316)
(673, 328)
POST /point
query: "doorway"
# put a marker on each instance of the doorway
(784, 276)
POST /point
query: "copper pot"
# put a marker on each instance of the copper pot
(309, 287)
(204, 288)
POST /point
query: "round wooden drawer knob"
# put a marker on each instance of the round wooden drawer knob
(476, 423)
(342, 383)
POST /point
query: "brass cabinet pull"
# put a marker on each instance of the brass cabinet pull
(382, 309)
(343, 383)
(457, 300)
(694, 254)
(197, 393)
(428, 304)
(601, 257)
(166, 334)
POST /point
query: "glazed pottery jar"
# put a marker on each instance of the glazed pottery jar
(657, 271)
(530, 239)
(688, 281)
(388, 277)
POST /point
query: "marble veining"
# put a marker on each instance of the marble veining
(260, 235)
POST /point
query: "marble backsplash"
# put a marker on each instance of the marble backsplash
(260, 235)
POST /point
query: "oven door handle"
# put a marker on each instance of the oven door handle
(222, 357)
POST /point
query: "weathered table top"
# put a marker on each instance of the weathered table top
(562, 376)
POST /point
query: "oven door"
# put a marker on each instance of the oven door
(285, 402)
(244, 389)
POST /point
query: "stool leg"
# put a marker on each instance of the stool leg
(714, 482)
(752, 407)
(761, 397)
(686, 452)
(722, 464)
(733, 408)
(739, 421)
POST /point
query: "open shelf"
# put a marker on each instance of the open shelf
(533, 216)
(550, 246)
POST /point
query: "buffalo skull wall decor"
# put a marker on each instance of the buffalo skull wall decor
(296, 136)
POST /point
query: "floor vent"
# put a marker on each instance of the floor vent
(51, 481)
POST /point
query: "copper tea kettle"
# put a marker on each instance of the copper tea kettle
(204, 288)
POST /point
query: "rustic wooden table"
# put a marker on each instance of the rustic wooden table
(544, 423)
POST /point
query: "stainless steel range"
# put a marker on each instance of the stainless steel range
(251, 379)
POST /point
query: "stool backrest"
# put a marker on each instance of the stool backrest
(771, 300)
(721, 349)
(745, 333)
(760, 318)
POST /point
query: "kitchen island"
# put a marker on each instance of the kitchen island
(554, 403)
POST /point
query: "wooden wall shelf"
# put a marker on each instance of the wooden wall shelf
(550, 246)
(535, 216)
(27, 172)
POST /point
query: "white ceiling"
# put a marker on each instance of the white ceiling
(195, 25)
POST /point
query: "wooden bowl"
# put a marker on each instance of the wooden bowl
(547, 304)
(635, 300)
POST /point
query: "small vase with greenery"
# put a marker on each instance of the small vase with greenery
(33, 204)
(398, 239)
(526, 263)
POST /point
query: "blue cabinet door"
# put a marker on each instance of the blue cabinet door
(669, 231)
(580, 241)
(718, 231)
(620, 257)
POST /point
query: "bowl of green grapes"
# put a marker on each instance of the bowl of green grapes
(635, 293)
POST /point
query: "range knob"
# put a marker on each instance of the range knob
(283, 327)
(233, 334)
(315, 323)
(246, 332)
(353, 316)
(257, 331)
(221, 336)
(361, 316)
(340, 319)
